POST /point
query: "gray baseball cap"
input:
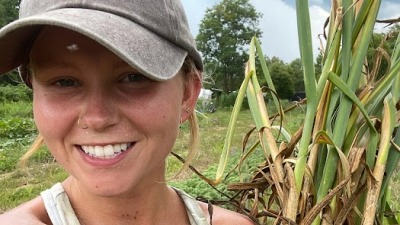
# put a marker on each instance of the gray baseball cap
(152, 36)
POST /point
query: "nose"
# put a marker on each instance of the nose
(98, 111)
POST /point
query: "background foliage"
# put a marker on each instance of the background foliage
(223, 38)
(336, 168)
(8, 13)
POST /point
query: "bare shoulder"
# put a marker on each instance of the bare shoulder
(29, 213)
(223, 216)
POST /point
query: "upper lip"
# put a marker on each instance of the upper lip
(105, 144)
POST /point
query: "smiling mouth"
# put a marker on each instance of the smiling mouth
(105, 152)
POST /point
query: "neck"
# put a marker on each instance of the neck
(150, 204)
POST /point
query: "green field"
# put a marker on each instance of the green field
(21, 184)
(18, 184)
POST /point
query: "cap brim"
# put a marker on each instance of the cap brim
(144, 50)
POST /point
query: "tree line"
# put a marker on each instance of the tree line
(226, 31)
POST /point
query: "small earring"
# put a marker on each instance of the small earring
(80, 125)
(187, 109)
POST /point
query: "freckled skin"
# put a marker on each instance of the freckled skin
(116, 110)
(145, 113)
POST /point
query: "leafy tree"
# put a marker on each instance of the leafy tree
(282, 77)
(296, 71)
(8, 13)
(318, 65)
(225, 31)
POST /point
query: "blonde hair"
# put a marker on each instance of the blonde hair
(37, 143)
(191, 74)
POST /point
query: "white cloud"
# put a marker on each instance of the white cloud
(318, 2)
(390, 10)
(279, 26)
(318, 18)
(195, 10)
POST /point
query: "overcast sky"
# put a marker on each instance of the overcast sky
(278, 23)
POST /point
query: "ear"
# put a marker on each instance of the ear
(192, 87)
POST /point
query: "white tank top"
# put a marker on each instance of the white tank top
(60, 211)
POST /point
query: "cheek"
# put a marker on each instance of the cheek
(163, 116)
(162, 130)
(52, 119)
(160, 116)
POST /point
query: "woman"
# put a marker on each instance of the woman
(112, 81)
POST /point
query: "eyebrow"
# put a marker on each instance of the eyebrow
(116, 63)
(50, 63)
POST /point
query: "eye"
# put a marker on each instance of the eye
(66, 82)
(135, 77)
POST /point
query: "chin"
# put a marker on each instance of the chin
(105, 185)
(108, 190)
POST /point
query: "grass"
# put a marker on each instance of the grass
(22, 185)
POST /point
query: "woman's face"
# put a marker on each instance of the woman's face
(127, 122)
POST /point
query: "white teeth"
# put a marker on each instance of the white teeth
(117, 148)
(124, 146)
(108, 150)
(105, 152)
(99, 151)
(91, 150)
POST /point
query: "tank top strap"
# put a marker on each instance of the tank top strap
(58, 206)
(194, 212)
